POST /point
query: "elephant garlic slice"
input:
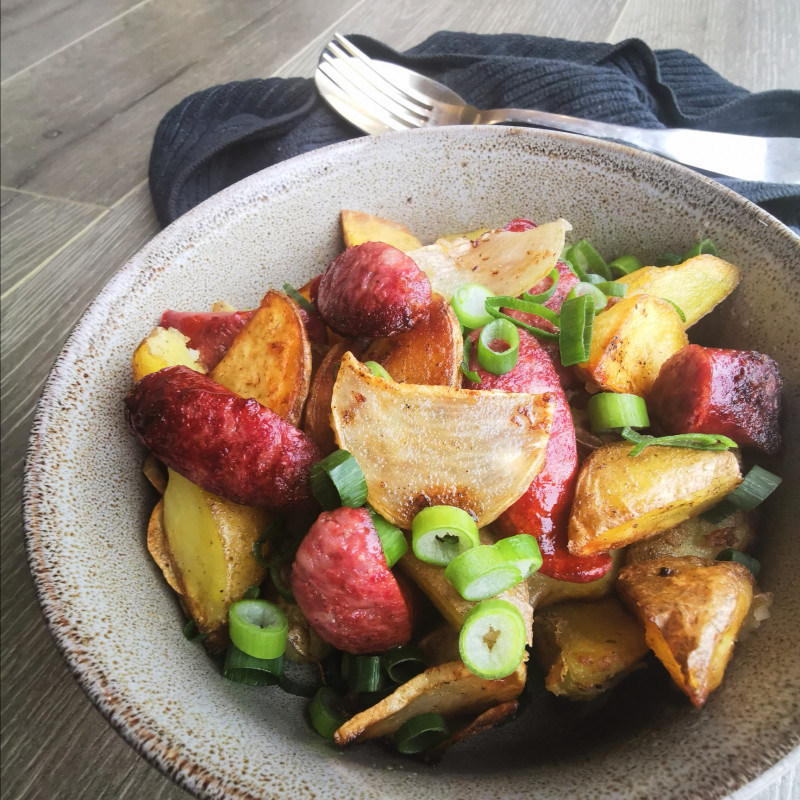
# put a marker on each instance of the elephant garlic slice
(423, 446)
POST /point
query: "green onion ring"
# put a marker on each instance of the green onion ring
(306, 305)
(522, 551)
(554, 276)
(469, 303)
(481, 572)
(575, 339)
(492, 639)
(611, 410)
(498, 362)
(258, 628)
(420, 733)
(440, 533)
(494, 304)
(338, 481)
(730, 554)
(393, 542)
(324, 712)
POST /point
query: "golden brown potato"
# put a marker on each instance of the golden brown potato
(210, 543)
(586, 648)
(630, 342)
(696, 286)
(359, 227)
(158, 548)
(621, 499)
(164, 347)
(303, 644)
(270, 358)
(155, 472)
(430, 353)
(692, 610)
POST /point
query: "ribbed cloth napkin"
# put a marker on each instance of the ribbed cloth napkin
(220, 135)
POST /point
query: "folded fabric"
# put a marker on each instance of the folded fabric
(218, 136)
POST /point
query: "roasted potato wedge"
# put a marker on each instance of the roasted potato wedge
(620, 500)
(163, 347)
(692, 610)
(158, 547)
(210, 543)
(420, 446)
(359, 227)
(270, 358)
(544, 591)
(447, 689)
(303, 644)
(696, 286)
(155, 472)
(430, 353)
(630, 342)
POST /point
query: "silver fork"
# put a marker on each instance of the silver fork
(378, 96)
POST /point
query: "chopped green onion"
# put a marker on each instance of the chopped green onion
(498, 362)
(492, 639)
(756, 487)
(365, 674)
(324, 712)
(393, 542)
(376, 369)
(494, 304)
(676, 307)
(706, 247)
(554, 276)
(242, 668)
(420, 733)
(481, 572)
(522, 551)
(440, 533)
(276, 565)
(469, 303)
(729, 554)
(588, 259)
(338, 481)
(693, 441)
(306, 305)
(624, 265)
(258, 628)
(612, 288)
(589, 289)
(258, 544)
(575, 340)
(590, 277)
(668, 260)
(469, 374)
(297, 688)
(612, 410)
(252, 592)
(191, 632)
(403, 663)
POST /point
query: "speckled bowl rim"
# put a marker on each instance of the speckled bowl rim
(132, 723)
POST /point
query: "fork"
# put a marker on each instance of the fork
(378, 96)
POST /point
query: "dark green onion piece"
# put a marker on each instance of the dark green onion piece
(706, 247)
(469, 303)
(720, 512)
(365, 674)
(612, 410)
(252, 592)
(756, 487)
(599, 299)
(668, 260)
(567, 257)
(503, 361)
(276, 565)
(624, 265)
(693, 441)
(393, 542)
(677, 308)
(729, 554)
(242, 668)
(575, 339)
(191, 633)
(421, 733)
(297, 688)
(258, 544)
(324, 712)
(338, 481)
(376, 369)
(469, 374)
(306, 305)
(612, 288)
(494, 304)
(588, 259)
(548, 293)
(403, 663)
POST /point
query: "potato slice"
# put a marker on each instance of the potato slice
(421, 446)
(155, 472)
(544, 591)
(430, 353)
(447, 689)
(505, 262)
(630, 342)
(158, 548)
(164, 347)
(620, 500)
(270, 358)
(303, 643)
(210, 542)
(696, 286)
(693, 610)
(586, 648)
(359, 227)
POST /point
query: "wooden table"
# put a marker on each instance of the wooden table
(84, 85)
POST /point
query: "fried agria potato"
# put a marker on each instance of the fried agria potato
(163, 347)
(270, 358)
(696, 286)
(620, 500)
(448, 689)
(359, 227)
(692, 610)
(303, 644)
(586, 648)
(483, 448)
(630, 342)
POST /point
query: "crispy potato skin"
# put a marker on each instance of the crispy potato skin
(693, 610)
(359, 227)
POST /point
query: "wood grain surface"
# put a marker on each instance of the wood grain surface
(84, 84)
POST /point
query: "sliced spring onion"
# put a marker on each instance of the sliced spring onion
(498, 362)
(612, 410)
(191, 632)
(365, 674)
(705, 247)
(324, 712)
(440, 533)
(276, 565)
(677, 308)
(403, 663)
(376, 369)
(588, 259)
(266, 537)
(612, 288)
(258, 628)
(242, 668)
(756, 487)
(393, 542)
(252, 592)
(694, 441)
(469, 303)
(624, 265)
(544, 296)
(469, 374)
(668, 260)
(306, 305)
(730, 554)
(590, 277)
(522, 551)
(421, 733)
(481, 572)
(492, 639)
(594, 292)
(494, 304)
(338, 481)
(575, 339)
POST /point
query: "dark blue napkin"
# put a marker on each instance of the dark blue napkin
(218, 136)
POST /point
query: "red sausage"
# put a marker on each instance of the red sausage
(543, 510)
(230, 446)
(344, 588)
(736, 393)
(210, 333)
(373, 290)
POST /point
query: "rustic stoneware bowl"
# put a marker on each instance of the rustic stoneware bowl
(87, 504)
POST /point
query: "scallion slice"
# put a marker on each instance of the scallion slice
(611, 411)
(420, 733)
(494, 304)
(522, 551)
(338, 481)
(252, 592)
(469, 374)
(403, 663)
(544, 296)
(306, 305)
(575, 339)
(258, 628)
(192, 633)
(677, 308)
(265, 538)
(481, 572)
(612, 288)
(668, 260)
(730, 554)
(376, 369)
(324, 712)
(594, 292)
(584, 255)
(624, 265)
(694, 441)
(440, 533)
(498, 362)
(393, 542)
(243, 668)
(705, 247)
(756, 487)
(365, 674)
(469, 303)
(492, 639)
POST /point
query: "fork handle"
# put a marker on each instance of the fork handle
(752, 158)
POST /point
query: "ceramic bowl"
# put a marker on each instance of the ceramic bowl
(87, 504)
